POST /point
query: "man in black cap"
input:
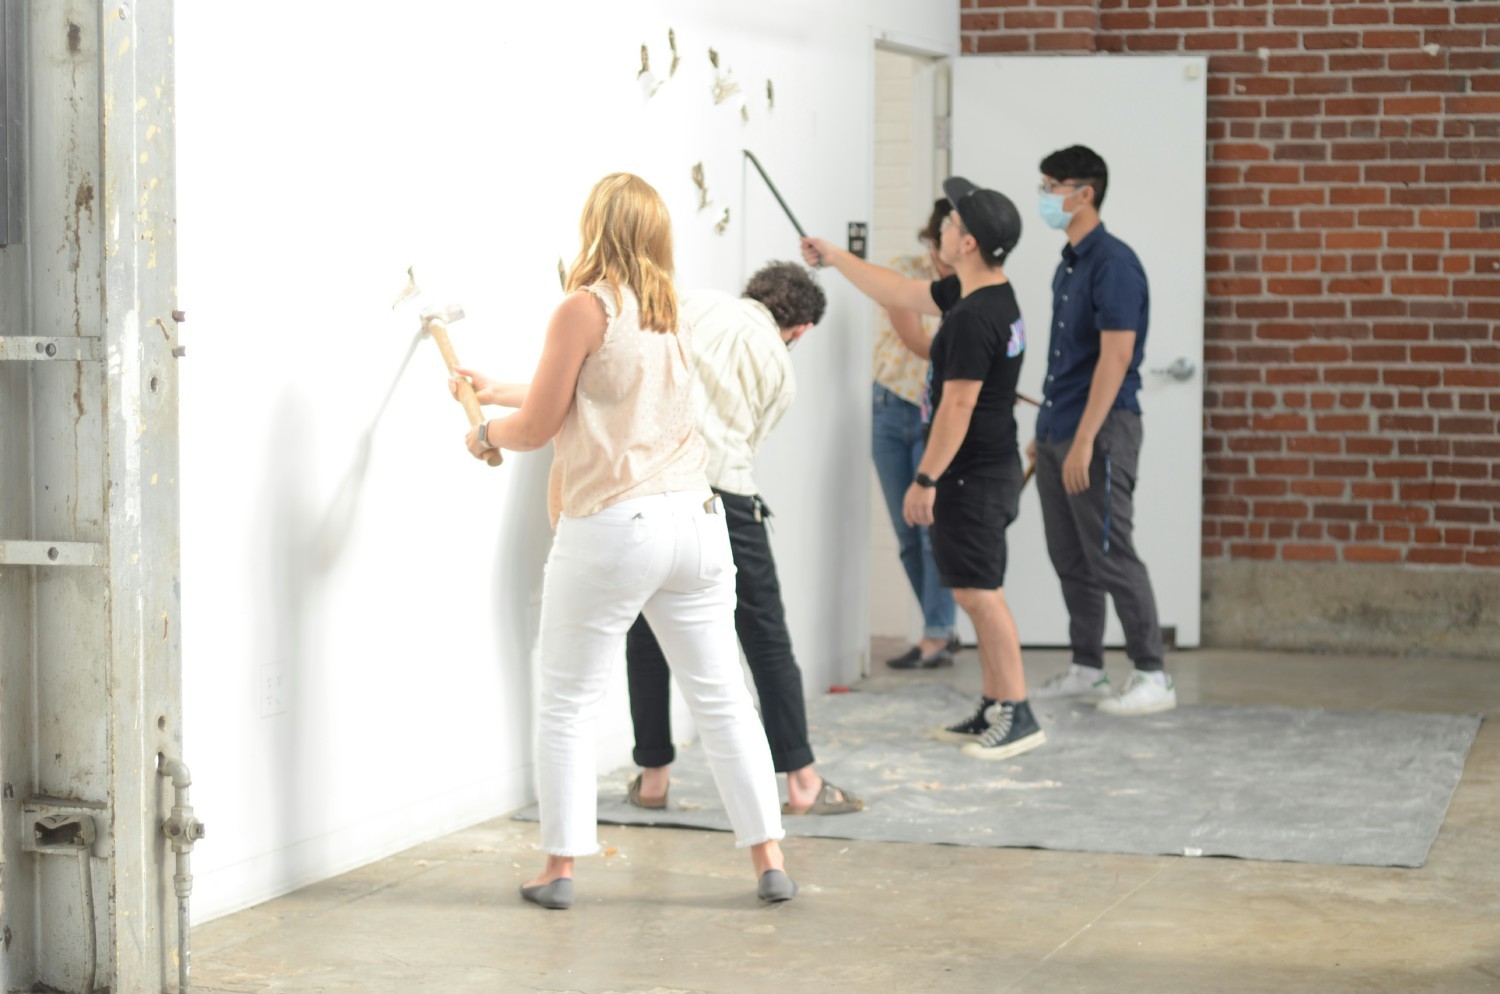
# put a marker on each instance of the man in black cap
(968, 485)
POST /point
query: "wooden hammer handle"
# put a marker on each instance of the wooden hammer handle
(439, 332)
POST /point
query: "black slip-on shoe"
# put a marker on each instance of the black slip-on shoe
(911, 657)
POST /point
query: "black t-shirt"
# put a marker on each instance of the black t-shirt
(983, 338)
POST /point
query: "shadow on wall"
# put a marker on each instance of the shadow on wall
(303, 541)
(520, 563)
(295, 762)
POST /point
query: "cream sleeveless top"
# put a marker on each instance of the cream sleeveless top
(898, 368)
(630, 431)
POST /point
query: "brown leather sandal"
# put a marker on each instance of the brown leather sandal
(832, 800)
(633, 795)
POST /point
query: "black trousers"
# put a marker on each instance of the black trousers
(1091, 541)
(760, 621)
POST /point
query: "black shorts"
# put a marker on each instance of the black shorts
(969, 518)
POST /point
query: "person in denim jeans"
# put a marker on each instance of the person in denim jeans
(897, 441)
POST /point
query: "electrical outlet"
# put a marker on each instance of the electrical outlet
(859, 237)
(41, 814)
(272, 689)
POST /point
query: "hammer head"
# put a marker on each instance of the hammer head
(446, 313)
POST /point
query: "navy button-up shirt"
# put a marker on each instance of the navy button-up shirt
(1099, 286)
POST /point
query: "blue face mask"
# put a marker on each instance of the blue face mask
(1052, 211)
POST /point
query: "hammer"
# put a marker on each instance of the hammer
(1031, 466)
(435, 321)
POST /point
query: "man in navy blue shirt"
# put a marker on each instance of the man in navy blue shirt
(968, 484)
(1088, 441)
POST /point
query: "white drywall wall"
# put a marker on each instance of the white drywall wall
(357, 646)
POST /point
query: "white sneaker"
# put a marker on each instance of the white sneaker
(1078, 681)
(1146, 693)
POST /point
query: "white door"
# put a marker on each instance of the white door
(1145, 116)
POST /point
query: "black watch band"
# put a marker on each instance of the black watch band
(923, 480)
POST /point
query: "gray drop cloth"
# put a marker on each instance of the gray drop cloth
(1271, 783)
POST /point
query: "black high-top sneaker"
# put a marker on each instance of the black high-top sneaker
(1013, 730)
(971, 728)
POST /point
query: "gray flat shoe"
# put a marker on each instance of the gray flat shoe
(775, 887)
(556, 896)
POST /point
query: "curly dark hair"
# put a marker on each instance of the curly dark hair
(789, 293)
(933, 233)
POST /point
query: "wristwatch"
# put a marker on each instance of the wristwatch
(484, 433)
(923, 480)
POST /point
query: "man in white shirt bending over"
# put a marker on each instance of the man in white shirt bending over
(744, 384)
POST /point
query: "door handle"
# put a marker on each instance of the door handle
(1182, 368)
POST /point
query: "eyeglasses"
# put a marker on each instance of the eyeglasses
(1047, 186)
(948, 222)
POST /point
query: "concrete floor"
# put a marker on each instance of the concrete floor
(673, 911)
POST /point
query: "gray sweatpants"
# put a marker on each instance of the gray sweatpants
(1090, 538)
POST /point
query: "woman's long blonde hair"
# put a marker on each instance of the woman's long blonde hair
(627, 242)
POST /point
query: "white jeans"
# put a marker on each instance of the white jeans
(666, 557)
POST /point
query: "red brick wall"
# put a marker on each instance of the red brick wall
(1352, 326)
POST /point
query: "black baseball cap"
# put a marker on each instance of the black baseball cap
(989, 216)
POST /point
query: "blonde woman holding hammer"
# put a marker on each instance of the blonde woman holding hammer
(638, 532)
